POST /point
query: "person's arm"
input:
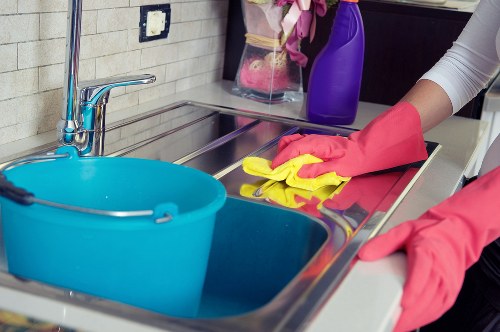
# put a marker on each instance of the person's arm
(395, 137)
(463, 71)
(440, 245)
(431, 101)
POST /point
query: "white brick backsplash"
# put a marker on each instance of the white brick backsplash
(53, 25)
(41, 53)
(214, 76)
(100, 4)
(118, 103)
(160, 55)
(8, 113)
(18, 28)
(190, 82)
(117, 19)
(175, 12)
(219, 9)
(117, 64)
(8, 134)
(185, 31)
(32, 51)
(89, 22)
(50, 102)
(183, 68)
(42, 6)
(87, 70)
(159, 73)
(8, 56)
(48, 123)
(18, 131)
(112, 137)
(26, 129)
(133, 41)
(118, 91)
(103, 44)
(191, 11)
(212, 61)
(52, 77)
(156, 92)
(18, 83)
(8, 7)
(39, 105)
(194, 48)
(137, 3)
(27, 108)
(213, 27)
(216, 44)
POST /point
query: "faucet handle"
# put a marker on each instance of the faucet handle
(93, 97)
(92, 92)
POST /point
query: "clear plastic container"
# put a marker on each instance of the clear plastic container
(266, 73)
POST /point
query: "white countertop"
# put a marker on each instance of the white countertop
(371, 290)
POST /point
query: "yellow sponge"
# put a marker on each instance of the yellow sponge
(282, 194)
(288, 172)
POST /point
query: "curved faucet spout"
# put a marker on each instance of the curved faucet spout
(84, 104)
(69, 117)
(94, 96)
(92, 92)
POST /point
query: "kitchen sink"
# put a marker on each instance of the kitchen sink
(271, 265)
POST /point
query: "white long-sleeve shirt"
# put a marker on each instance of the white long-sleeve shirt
(470, 63)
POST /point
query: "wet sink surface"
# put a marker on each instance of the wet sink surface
(272, 264)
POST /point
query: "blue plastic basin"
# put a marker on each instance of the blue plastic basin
(160, 267)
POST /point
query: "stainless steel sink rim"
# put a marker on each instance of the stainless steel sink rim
(293, 306)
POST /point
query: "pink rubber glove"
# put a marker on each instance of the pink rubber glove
(440, 245)
(392, 139)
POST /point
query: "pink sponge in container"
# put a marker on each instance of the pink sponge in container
(268, 75)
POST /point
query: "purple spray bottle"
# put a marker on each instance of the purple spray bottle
(335, 79)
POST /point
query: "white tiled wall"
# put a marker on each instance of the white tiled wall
(32, 51)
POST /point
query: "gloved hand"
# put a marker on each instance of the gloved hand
(440, 245)
(392, 139)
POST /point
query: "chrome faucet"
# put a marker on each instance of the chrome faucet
(82, 121)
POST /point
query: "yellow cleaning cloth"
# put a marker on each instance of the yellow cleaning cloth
(288, 172)
(282, 194)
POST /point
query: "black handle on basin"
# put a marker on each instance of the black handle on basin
(20, 195)
(16, 194)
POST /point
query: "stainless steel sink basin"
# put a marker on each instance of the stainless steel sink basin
(271, 267)
(257, 251)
